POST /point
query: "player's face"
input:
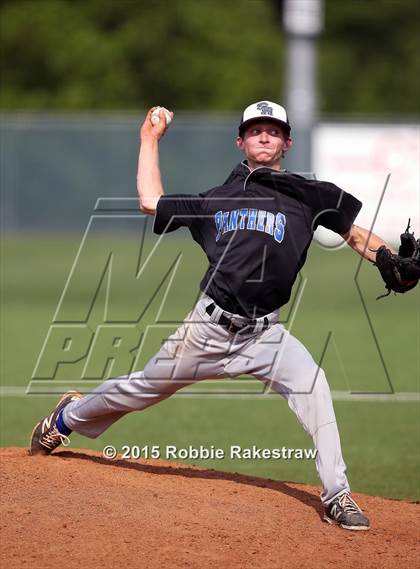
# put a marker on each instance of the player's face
(263, 144)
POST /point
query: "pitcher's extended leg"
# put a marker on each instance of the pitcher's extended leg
(193, 353)
(284, 364)
(94, 413)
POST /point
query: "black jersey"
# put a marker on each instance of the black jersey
(255, 230)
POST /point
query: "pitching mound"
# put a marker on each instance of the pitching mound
(75, 509)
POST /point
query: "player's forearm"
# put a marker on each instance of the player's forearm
(365, 243)
(149, 181)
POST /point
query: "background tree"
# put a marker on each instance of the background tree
(206, 54)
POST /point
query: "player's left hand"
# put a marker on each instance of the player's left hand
(150, 130)
(400, 272)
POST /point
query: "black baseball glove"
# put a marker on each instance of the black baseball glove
(400, 272)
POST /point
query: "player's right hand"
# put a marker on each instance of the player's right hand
(149, 130)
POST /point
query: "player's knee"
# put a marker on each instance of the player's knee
(309, 380)
(320, 390)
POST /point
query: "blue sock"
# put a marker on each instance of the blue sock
(61, 426)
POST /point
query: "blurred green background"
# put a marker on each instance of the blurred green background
(380, 438)
(210, 59)
(102, 54)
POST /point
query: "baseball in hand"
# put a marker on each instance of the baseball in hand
(155, 118)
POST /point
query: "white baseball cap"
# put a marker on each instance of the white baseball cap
(264, 110)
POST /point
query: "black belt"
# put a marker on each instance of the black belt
(248, 325)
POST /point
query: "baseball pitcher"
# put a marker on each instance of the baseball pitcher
(255, 230)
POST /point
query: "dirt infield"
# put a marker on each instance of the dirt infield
(76, 509)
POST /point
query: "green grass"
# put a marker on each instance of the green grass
(380, 439)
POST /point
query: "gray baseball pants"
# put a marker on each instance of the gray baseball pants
(202, 349)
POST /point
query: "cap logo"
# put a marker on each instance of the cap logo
(265, 109)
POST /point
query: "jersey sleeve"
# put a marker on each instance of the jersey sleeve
(335, 209)
(177, 210)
